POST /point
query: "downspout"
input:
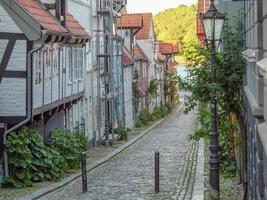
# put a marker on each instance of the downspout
(123, 86)
(29, 101)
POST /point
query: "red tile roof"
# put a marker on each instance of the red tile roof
(143, 34)
(175, 48)
(139, 54)
(126, 60)
(166, 48)
(48, 22)
(127, 57)
(130, 21)
(74, 27)
(39, 14)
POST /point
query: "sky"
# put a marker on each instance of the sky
(154, 6)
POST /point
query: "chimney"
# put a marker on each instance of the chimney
(57, 8)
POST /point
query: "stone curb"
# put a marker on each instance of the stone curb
(199, 185)
(65, 181)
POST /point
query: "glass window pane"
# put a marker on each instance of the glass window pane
(70, 63)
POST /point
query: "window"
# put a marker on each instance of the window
(47, 63)
(38, 67)
(50, 62)
(144, 70)
(81, 63)
(55, 61)
(70, 64)
(75, 64)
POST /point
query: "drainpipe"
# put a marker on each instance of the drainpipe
(29, 101)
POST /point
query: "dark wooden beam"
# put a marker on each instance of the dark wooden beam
(7, 54)
(14, 74)
(11, 119)
(8, 36)
(57, 103)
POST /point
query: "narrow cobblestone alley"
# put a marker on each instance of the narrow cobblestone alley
(130, 175)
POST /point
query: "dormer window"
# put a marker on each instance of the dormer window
(57, 8)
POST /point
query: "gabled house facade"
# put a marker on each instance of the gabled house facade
(83, 11)
(128, 26)
(141, 67)
(106, 72)
(166, 54)
(128, 64)
(146, 40)
(161, 66)
(42, 67)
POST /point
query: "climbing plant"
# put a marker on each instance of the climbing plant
(153, 87)
(171, 88)
(229, 73)
(137, 94)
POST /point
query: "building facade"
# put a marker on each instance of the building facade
(255, 96)
(146, 40)
(42, 68)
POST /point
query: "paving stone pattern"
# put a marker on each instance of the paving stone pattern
(130, 175)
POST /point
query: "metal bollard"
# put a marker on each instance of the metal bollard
(84, 171)
(156, 171)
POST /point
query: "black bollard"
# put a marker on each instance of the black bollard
(84, 171)
(156, 171)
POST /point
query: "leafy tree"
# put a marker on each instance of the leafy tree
(176, 25)
(229, 72)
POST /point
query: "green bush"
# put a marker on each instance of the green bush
(169, 106)
(157, 112)
(123, 133)
(20, 158)
(32, 161)
(160, 112)
(46, 163)
(145, 116)
(69, 145)
(139, 123)
(164, 111)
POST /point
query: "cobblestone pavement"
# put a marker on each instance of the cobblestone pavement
(129, 176)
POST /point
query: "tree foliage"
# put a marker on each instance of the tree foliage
(229, 73)
(176, 25)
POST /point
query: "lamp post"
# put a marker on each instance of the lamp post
(213, 22)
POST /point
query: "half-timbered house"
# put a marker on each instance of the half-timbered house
(42, 58)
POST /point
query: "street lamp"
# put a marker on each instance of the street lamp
(213, 22)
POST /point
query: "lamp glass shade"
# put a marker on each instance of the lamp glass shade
(208, 24)
(213, 28)
(219, 23)
(213, 23)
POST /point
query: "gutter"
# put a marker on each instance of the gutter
(28, 104)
